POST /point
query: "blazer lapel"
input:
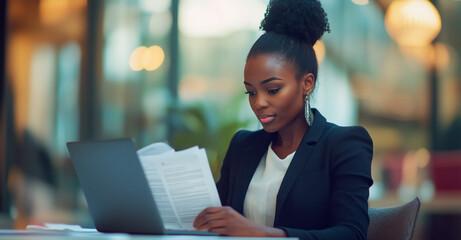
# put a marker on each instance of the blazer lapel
(251, 158)
(300, 159)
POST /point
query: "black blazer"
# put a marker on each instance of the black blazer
(324, 194)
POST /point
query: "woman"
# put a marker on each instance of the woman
(301, 176)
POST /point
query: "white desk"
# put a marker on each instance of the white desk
(41, 235)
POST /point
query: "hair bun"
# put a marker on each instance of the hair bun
(302, 19)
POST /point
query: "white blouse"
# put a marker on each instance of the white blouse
(261, 197)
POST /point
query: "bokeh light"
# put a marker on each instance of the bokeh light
(412, 22)
(319, 48)
(422, 157)
(153, 58)
(54, 11)
(136, 59)
(147, 58)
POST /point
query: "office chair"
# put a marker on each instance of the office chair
(393, 223)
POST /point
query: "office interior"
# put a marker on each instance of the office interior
(172, 70)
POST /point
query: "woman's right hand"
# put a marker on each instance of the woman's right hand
(227, 221)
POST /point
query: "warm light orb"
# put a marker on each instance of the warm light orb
(319, 48)
(137, 59)
(413, 22)
(55, 11)
(147, 58)
(153, 58)
(423, 156)
(442, 56)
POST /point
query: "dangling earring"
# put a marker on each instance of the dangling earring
(307, 112)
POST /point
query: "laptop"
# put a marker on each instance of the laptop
(116, 189)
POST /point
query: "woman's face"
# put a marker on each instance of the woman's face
(275, 95)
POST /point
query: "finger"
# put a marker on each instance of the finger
(213, 224)
(206, 211)
(200, 222)
(211, 210)
(214, 209)
(198, 217)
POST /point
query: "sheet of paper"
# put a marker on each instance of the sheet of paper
(60, 227)
(160, 193)
(155, 149)
(188, 184)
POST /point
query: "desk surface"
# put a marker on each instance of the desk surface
(42, 235)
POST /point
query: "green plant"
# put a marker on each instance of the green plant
(208, 126)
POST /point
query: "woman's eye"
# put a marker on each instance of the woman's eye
(250, 93)
(273, 91)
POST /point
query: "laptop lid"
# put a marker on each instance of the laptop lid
(115, 187)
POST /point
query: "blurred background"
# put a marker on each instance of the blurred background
(172, 70)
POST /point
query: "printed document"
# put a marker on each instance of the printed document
(181, 182)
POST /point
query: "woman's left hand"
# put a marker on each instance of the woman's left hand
(227, 221)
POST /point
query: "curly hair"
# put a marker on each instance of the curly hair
(301, 19)
(291, 29)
